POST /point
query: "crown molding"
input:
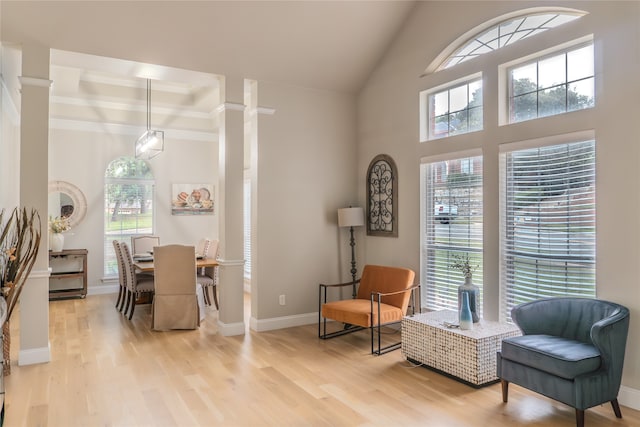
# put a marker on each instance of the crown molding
(120, 129)
(34, 81)
(266, 110)
(123, 106)
(231, 106)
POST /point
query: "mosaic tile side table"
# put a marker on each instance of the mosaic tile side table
(469, 356)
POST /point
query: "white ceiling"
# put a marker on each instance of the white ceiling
(331, 45)
(103, 52)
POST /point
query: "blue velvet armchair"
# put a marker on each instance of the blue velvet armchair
(572, 350)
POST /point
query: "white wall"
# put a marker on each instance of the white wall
(81, 158)
(306, 158)
(9, 130)
(389, 123)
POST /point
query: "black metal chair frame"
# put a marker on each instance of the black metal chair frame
(375, 297)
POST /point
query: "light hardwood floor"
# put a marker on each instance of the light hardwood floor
(108, 371)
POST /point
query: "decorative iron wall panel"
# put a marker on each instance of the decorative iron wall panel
(382, 197)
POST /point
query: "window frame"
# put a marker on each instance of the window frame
(428, 120)
(444, 61)
(505, 86)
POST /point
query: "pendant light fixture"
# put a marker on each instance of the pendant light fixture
(151, 142)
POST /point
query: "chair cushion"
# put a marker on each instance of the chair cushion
(204, 280)
(145, 284)
(358, 312)
(559, 356)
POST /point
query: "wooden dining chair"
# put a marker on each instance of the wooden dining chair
(207, 277)
(175, 303)
(138, 285)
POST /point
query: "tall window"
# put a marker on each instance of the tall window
(552, 85)
(128, 205)
(452, 224)
(456, 109)
(246, 215)
(548, 223)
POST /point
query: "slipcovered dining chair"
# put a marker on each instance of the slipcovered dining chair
(175, 304)
(144, 244)
(207, 277)
(137, 285)
(382, 299)
(572, 350)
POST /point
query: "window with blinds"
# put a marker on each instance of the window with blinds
(548, 223)
(247, 229)
(452, 225)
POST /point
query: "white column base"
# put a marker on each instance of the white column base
(33, 356)
(231, 329)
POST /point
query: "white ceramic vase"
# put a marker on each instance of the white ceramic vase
(56, 242)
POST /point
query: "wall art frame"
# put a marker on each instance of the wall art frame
(192, 199)
(382, 197)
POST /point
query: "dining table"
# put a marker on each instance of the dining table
(146, 266)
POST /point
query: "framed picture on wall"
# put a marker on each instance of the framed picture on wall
(192, 199)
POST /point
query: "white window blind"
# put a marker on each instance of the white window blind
(548, 223)
(247, 229)
(452, 224)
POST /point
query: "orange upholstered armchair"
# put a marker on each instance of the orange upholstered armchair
(382, 299)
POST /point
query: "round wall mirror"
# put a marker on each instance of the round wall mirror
(66, 200)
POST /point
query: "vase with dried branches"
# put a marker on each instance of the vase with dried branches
(20, 235)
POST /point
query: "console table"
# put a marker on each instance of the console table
(68, 273)
(469, 356)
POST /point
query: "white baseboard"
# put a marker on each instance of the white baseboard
(230, 329)
(33, 356)
(261, 325)
(104, 289)
(629, 397)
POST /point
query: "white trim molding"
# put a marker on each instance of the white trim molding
(261, 325)
(231, 106)
(40, 274)
(103, 290)
(231, 262)
(265, 110)
(34, 81)
(629, 397)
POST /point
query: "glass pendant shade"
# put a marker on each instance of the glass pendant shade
(151, 142)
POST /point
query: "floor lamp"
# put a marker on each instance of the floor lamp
(351, 217)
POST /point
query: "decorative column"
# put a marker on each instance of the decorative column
(34, 178)
(231, 165)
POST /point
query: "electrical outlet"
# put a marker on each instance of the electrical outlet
(282, 300)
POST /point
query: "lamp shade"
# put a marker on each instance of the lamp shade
(350, 217)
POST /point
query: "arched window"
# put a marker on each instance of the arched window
(128, 205)
(502, 32)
